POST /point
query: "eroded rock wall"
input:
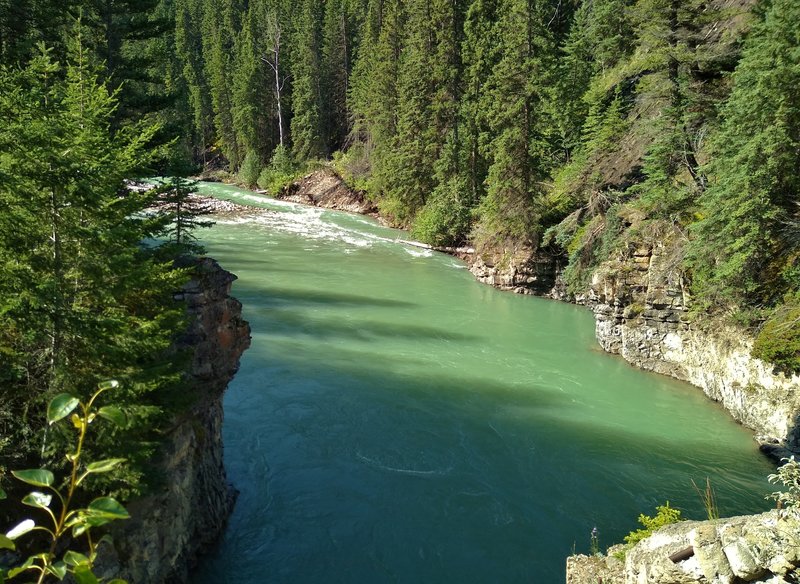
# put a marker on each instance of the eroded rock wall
(170, 528)
(641, 308)
(762, 548)
(641, 305)
(324, 188)
(517, 269)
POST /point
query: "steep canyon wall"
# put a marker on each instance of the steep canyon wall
(171, 527)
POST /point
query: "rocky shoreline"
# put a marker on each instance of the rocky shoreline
(641, 308)
(171, 528)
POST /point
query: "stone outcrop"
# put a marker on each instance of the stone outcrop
(761, 548)
(324, 188)
(641, 304)
(517, 269)
(171, 527)
(641, 307)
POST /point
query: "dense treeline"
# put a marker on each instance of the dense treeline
(577, 127)
(581, 128)
(83, 298)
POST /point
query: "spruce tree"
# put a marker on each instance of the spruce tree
(82, 301)
(307, 127)
(742, 249)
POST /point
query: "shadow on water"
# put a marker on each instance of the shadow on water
(294, 322)
(379, 476)
(296, 297)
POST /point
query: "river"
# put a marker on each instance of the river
(396, 421)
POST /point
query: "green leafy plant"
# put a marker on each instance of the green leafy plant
(788, 475)
(65, 523)
(665, 515)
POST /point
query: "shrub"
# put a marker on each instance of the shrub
(445, 219)
(778, 341)
(665, 515)
(788, 475)
(281, 171)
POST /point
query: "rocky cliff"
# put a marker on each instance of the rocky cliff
(171, 527)
(751, 548)
(641, 304)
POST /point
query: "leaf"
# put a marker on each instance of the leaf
(83, 575)
(6, 543)
(21, 528)
(59, 570)
(38, 500)
(105, 539)
(20, 569)
(2, 494)
(61, 406)
(107, 507)
(72, 558)
(37, 477)
(113, 414)
(77, 421)
(118, 581)
(110, 384)
(104, 465)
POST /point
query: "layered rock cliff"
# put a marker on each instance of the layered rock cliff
(641, 304)
(750, 548)
(171, 527)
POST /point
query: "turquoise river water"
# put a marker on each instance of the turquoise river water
(396, 421)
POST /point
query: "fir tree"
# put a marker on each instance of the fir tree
(307, 116)
(742, 249)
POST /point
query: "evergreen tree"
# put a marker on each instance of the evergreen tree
(82, 301)
(307, 127)
(218, 48)
(515, 96)
(743, 252)
(338, 40)
(189, 52)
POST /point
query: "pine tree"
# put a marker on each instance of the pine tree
(82, 301)
(742, 252)
(338, 44)
(307, 116)
(514, 101)
(189, 52)
(218, 48)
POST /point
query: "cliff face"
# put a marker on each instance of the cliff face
(641, 305)
(170, 528)
(641, 308)
(517, 269)
(749, 548)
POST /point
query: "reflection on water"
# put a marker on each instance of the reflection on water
(395, 421)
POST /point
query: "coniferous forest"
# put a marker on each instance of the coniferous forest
(577, 129)
(573, 127)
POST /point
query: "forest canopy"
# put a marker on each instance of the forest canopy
(578, 128)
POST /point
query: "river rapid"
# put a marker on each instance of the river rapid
(396, 421)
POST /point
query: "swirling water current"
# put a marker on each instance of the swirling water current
(396, 421)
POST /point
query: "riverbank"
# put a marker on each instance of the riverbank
(642, 313)
(169, 529)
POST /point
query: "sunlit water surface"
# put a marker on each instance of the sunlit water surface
(396, 421)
